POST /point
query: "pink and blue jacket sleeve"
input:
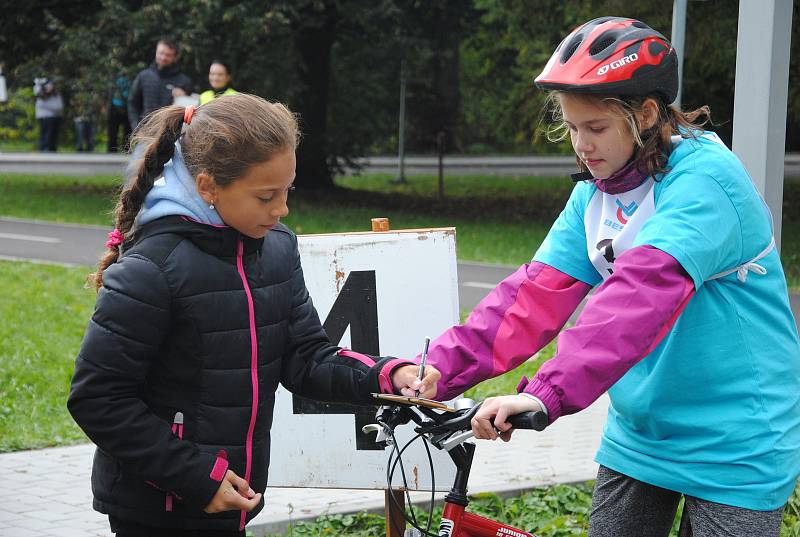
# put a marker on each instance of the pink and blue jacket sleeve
(648, 291)
(516, 319)
(625, 319)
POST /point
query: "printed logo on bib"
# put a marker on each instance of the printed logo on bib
(612, 223)
(624, 213)
(626, 210)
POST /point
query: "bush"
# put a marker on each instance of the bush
(17, 117)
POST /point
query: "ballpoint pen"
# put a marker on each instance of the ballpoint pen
(422, 361)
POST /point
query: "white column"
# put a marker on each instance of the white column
(761, 92)
(677, 39)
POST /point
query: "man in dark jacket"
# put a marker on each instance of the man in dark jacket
(159, 84)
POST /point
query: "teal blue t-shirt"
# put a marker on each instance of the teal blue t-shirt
(714, 411)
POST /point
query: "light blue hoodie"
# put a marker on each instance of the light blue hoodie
(175, 193)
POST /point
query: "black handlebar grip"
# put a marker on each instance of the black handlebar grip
(529, 420)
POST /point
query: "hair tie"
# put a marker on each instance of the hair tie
(115, 238)
(188, 113)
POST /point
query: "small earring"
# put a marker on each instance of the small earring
(211, 206)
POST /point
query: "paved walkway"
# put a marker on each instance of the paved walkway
(46, 492)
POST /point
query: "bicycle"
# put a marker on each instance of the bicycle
(446, 429)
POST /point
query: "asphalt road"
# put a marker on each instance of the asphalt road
(86, 164)
(71, 244)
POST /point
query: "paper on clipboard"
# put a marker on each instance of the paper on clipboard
(416, 401)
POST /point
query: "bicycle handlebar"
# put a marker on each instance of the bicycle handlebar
(442, 426)
(536, 421)
(529, 420)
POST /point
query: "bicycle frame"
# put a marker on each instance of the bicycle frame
(456, 520)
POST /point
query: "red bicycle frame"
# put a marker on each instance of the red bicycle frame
(456, 522)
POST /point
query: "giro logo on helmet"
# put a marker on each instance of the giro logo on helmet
(616, 64)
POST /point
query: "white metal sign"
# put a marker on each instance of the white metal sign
(378, 293)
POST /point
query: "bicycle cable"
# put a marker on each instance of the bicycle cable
(390, 469)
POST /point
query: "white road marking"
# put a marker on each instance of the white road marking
(479, 285)
(30, 238)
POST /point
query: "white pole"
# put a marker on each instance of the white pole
(401, 149)
(760, 97)
(678, 38)
(3, 89)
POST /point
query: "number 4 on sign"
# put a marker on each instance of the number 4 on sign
(356, 306)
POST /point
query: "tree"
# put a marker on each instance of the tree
(470, 63)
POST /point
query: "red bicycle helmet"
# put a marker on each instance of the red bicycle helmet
(613, 56)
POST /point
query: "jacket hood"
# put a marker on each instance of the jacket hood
(175, 194)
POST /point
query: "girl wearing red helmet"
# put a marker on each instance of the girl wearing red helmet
(700, 361)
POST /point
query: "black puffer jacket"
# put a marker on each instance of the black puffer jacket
(172, 333)
(152, 89)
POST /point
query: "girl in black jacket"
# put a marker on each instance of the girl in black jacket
(201, 311)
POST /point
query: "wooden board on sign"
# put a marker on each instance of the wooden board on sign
(378, 293)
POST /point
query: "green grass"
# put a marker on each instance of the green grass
(80, 200)
(489, 239)
(498, 219)
(45, 310)
(462, 186)
(21, 146)
(507, 383)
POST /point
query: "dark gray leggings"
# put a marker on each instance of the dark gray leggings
(625, 507)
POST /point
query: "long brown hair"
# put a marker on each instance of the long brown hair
(654, 145)
(224, 139)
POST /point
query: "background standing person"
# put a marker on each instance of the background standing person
(84, 107)
(118, 113)
(219, 77)
(689, 329)
(202, 309)
(159, 84)
(49, 112)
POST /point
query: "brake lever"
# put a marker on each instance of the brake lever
(450, 439)
(457, 423)
(376, 428)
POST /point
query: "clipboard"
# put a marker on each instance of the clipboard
(415, 401)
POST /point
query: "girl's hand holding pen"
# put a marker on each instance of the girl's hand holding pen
(406, 381)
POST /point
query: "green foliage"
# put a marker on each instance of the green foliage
(791, 515)
(354, 525)
(556, 511)
(469, 63)
(17, 117)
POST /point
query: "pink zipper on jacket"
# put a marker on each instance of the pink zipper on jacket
(253, 370)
